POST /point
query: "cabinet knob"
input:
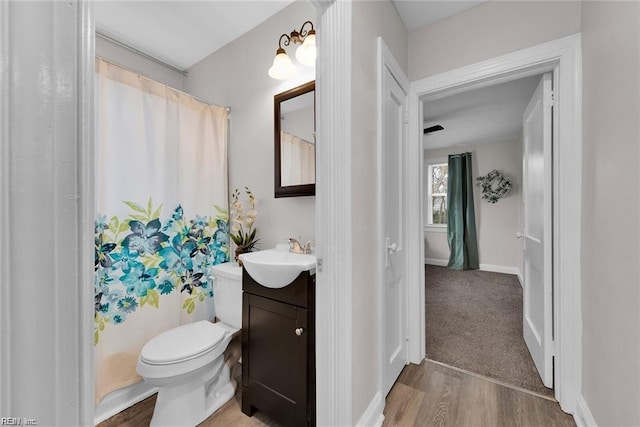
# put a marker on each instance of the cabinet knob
(299, 331)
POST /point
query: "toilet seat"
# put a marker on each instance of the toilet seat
(183, 343)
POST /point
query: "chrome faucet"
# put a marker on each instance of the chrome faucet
(297, 248)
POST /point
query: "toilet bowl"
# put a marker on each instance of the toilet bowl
(187, 363)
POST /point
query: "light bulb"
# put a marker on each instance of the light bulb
(306, 54)
(282, 67)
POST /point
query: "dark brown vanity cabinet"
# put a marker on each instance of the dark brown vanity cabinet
(278, 350)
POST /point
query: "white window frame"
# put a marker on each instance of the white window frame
(428, 226)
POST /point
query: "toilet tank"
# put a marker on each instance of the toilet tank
(227, 293)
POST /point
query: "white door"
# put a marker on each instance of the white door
(537, 193)
(394, 293)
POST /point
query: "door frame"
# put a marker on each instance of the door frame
(564, 58)
(386, 60)
(334, 289)
(66, 127)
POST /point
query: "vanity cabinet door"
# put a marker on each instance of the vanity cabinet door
(275, 360)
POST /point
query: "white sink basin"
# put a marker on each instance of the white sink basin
(276, 269)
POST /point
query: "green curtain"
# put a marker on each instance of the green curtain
(461, 218)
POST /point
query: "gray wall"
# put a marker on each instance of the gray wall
(370, 20)
(496, 223)
(112, 52)
(611, 230)
(488, 30)
(236, 75)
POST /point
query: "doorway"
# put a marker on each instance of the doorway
(474, 318)
(562, 58)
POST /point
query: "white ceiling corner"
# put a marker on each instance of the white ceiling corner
(480, 116)
(416, 14)
(181, 33)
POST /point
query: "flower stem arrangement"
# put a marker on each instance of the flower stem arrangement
(243, 232)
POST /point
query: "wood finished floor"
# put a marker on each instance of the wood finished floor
(431, 394)
(425, 395)
(228, 415)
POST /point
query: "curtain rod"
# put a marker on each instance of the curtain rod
(204, 101)
(141, 53)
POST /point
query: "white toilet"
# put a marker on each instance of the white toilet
(187, 362)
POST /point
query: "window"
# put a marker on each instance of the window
(437, 174)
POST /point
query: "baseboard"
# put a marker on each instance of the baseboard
(583, 416)
(438, 262)
(520, 279)
(372, 416)
(119, 400)
(483, 267)
(499, 269)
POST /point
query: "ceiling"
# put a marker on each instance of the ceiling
(417, 14)
(181, 33)
(491, 114)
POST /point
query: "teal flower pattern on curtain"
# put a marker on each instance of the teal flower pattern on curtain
(140, 258)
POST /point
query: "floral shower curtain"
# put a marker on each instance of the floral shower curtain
(162, 221)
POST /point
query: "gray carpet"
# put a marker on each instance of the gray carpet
(474, 322)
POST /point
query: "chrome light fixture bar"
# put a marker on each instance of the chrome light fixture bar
(282, 67)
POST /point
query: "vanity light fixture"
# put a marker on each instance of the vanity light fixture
(282, 67)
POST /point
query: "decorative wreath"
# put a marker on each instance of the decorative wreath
(495, 185)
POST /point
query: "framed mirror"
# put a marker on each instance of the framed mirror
(294, 136)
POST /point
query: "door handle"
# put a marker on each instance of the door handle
(519, 235)
(299, 331)
(390, 248)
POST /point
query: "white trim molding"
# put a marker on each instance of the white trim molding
(583, 416)
(86, 189)
(121, 399)
(333, 215)
(5, 221)
(521, 279)
(372, 416)
(500, 269)
(415, 214)
(563, 57)
(436, 262)
(483, 267)
(46, 195)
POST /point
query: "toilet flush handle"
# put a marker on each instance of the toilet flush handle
(299, 331)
